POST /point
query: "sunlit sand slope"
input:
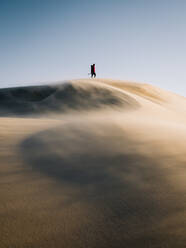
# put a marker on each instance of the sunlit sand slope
(92, 163)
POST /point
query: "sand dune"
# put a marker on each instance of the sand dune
(92, 163)
(50, 99)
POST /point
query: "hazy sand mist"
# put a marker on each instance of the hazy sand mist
(92, 163)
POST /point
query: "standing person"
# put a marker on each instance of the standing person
(93, 71)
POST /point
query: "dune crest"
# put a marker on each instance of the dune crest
(61, 98)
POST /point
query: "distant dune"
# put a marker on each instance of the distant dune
(92, 163)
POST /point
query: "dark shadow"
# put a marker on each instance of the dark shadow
(128, 191)
(37, 100)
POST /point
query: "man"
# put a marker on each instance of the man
(93, 71)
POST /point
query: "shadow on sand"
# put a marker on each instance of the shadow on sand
(102, 168)
(42, 100)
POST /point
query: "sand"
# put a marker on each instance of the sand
(92, 163)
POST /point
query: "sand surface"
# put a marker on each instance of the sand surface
(92, 163)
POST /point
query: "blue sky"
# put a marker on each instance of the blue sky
(53, 40)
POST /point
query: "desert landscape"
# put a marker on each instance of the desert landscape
(92, 163)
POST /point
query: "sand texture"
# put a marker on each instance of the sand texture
(92, 163)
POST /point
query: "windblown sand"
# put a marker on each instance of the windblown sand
(92, 163)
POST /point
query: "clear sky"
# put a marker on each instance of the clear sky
(53, 40)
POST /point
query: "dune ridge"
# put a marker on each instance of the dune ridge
(61, 98)
(92, 163)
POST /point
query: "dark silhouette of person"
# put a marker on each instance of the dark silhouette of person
(93, 71)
